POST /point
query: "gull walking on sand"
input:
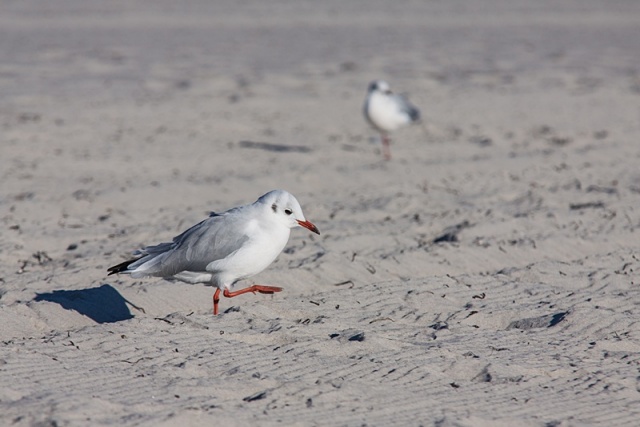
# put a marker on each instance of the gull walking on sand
(386, 112)
(224, 248)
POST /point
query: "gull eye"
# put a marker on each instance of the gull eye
(288, 211)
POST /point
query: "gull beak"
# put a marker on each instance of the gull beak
(308, 226)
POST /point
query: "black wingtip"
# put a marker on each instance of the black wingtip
(123, 266)
(414, 113)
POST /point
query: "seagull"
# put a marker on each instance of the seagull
(224, 248)
(386, 112)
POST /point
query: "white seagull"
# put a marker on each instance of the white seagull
(386, 112)
(224, 248)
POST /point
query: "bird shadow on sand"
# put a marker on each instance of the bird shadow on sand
(103, 304)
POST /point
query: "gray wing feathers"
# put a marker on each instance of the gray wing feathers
(406, 107)
(210, 240)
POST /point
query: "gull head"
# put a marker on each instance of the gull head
(285, 209)
(379, 86)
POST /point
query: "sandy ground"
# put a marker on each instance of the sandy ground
(485, 276)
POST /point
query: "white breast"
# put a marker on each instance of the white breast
(384, 113)
(253, 256)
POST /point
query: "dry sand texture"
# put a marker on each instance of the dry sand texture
(486, 276)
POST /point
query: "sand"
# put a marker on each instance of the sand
(485, 276)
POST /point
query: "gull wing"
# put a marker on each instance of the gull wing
(212, 239)
(407, 107)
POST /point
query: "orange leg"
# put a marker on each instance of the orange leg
(255, 288)
(216, 300)
(386, 149)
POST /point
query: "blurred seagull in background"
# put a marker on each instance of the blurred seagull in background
(386, 112)
(224, 248)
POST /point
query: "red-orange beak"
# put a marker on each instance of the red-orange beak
(308, 226)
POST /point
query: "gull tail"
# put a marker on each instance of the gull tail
(414, 114)
(122, 267)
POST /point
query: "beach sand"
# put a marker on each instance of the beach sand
(485, 276)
